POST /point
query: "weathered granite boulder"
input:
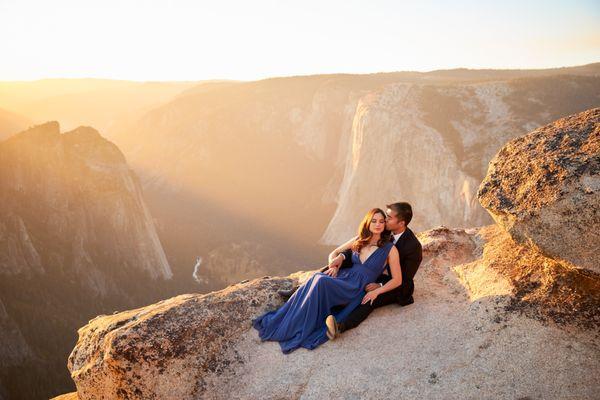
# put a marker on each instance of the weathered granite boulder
(466, 339)
(544, 189)
(165, 349)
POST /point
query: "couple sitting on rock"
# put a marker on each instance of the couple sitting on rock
(373, 269)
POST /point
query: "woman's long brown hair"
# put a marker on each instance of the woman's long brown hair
(365, 235)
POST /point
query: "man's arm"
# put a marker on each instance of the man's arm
(383, 278)
(347, 263)
(411, 256)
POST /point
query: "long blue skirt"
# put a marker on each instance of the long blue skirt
(300, 322)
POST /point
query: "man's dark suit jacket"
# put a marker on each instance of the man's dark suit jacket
(411, 255)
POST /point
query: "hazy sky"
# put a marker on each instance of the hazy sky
(253, 39)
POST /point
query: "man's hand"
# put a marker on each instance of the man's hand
(332, 271)
(370, 297)
(372, 286)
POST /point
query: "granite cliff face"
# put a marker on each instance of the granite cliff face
(494, 317)
(431, 144)
(14, 350)
(76, 239)
(68, 199)
(296, 161)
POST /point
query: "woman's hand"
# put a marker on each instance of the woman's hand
(334, 266)
(370, 297)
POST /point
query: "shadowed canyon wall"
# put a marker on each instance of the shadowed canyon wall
(76, 240)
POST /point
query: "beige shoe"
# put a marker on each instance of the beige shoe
(332, 327)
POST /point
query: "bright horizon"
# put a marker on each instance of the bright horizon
(195, 40)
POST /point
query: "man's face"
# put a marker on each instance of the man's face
(392, 223)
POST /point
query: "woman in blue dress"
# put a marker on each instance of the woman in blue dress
(300, 322)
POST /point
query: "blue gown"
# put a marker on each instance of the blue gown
(300, 322)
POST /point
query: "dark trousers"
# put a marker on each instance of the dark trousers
(361, 312)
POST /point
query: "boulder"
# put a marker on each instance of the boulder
(544, 189)
(165, 350)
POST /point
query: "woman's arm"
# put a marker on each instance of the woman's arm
(336, 259)
(335, 253)
(394, 263)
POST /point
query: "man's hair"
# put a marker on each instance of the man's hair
(403, 211)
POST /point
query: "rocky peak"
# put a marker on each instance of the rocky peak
(86, 142)
(78, 195)
(46, 132)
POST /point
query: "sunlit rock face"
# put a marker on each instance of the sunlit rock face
(430, 145)
(395, 155)
(544, 189)
(76, 239)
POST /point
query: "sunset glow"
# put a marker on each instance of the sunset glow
(198, 40)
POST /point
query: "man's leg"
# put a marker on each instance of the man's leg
(405, 297)
(361, 312)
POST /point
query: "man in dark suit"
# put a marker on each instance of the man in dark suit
(398, 217)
